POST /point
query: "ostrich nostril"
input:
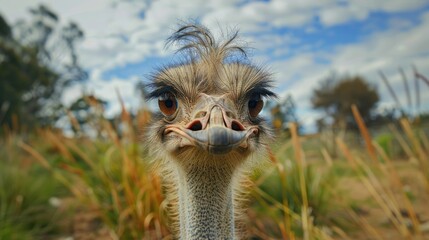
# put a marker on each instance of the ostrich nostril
(236, 126)
(201, 114)
(195, 126)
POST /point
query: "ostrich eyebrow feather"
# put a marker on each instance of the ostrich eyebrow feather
(262, 89)
(159, 90)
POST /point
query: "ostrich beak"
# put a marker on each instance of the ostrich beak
(216, 132)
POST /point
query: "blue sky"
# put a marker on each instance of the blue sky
(301, 41)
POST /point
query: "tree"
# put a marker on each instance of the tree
(5, 31)
(37, 61)
(87, 111)
(282, 112)
(336, 97)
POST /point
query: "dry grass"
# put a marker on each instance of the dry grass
(363, 194)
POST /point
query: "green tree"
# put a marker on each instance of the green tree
(282, 113)
(336, 97)
(5, 31)
(88, 111)
(32, 75)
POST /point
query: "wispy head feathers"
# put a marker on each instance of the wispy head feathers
(200, 43)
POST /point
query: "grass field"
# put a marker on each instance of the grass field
(370, 187)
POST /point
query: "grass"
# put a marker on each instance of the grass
(113, 177)
(27, 197)
(305, 193)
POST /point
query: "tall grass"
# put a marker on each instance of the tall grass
(27, 197)
(113, 176)
(392, 197)
(294, 198)
(304, 193)
(297, 202)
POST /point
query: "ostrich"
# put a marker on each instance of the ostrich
(208, 130)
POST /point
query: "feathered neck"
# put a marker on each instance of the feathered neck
(206, 209)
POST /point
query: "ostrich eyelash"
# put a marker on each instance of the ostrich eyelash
(159, 91)
(261, 91)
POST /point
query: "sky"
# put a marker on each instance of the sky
(300, 41)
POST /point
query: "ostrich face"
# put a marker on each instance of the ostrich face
(208, 107)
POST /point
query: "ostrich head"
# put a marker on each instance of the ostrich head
(207, 128)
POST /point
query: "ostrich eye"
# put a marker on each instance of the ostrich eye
(167, 104)
(255, 105)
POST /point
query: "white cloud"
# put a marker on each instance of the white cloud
(359, 10)
(116, 34)
(340, 14)
(384, 51)
(391, 6)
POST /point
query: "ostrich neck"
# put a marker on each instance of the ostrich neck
(206, 208)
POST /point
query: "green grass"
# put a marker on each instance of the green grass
(25, 209)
